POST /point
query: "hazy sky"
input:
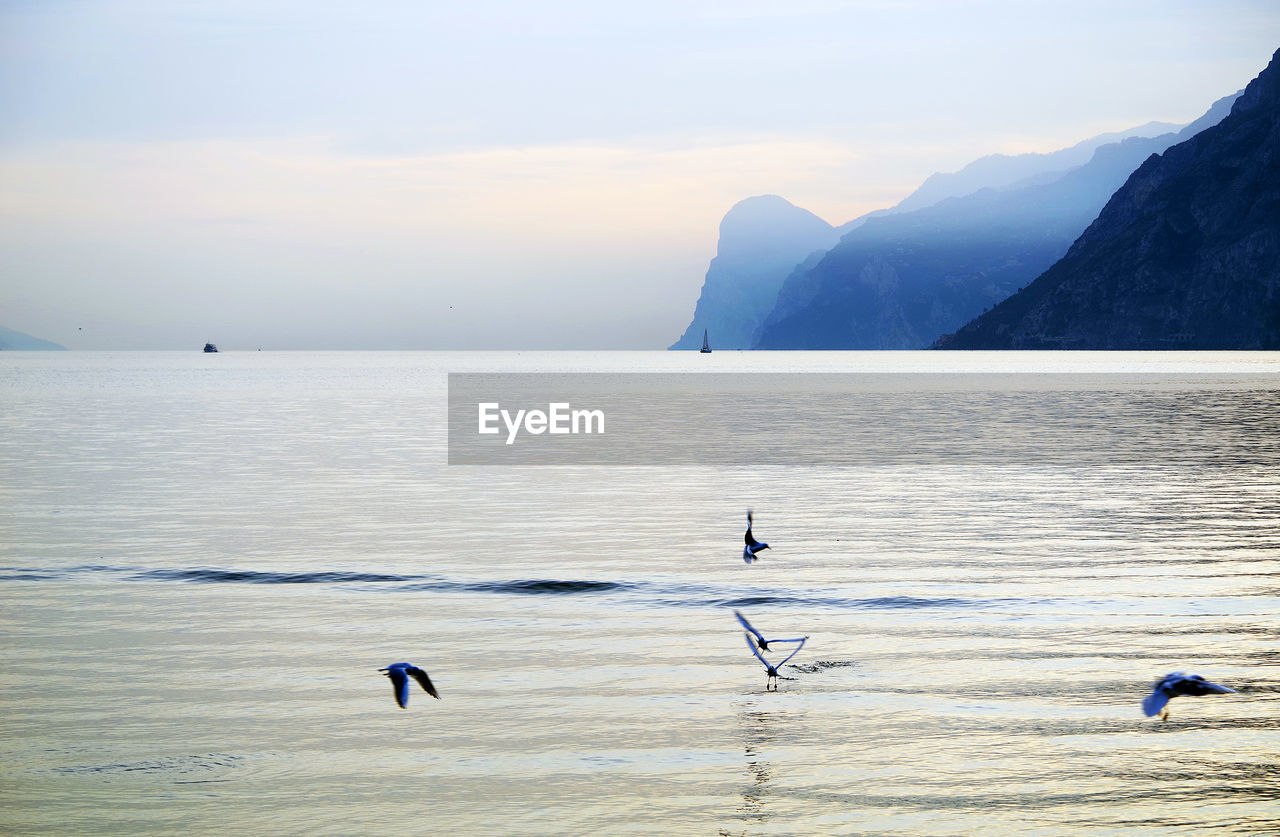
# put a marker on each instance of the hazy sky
(514, 174)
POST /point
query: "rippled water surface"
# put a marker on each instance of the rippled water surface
(205, 559)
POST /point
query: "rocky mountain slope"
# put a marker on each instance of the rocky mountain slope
(1185, 255)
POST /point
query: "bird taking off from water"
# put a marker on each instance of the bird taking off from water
(400, 674)
(1178, 684)
(772, 670)
(757, 643)
(753, 545)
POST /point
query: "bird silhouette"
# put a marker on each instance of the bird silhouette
(761, 642)
(400, 674)
(772, 670)
(753, 546)
(757, 643)
(1179, 684)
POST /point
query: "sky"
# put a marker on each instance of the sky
(514, 175)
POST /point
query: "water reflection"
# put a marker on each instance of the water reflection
(760, 730)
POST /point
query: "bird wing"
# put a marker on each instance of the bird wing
(423, 680)
(1197, 686)
(748, 538)
(747, 625)
(1154, 702)
(793, 653)
(756, 651)
(399, 684)
(748, 555)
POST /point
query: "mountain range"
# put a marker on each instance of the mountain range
(901, 277)
(901, 280)
(1000, 171)
(1186, 254)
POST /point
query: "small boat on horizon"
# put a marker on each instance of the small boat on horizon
(706, 345)
(209, 347)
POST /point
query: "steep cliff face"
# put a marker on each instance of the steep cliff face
(761, 241)
(1185, 255)
(901, 280)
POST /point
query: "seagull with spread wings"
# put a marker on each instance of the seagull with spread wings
(757, 643)
(761, 642)
(400, 674)
(772, 670)
(1179, 684)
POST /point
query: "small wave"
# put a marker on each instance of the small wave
(394, 581)
(211, 576)
(916, 601)
(881, 602)
(752, 601)
(184, 766)
(548, 586)
(652, 592)
(20, 574)
(520, 587)
(553, 587)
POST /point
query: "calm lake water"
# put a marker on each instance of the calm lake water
(204, 559)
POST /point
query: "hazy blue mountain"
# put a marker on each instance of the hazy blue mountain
(743, 281)
(1004, 171)
(1185, 255)
(901, 280)
(11, 340)
(999, 171)
(761, 241)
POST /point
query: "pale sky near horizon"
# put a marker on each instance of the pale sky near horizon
(500, 174)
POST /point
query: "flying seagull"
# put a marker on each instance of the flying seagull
(1178, 684)
(753, 545)
(761, 642)
(400, 674)
(772, 671)
(756, 642)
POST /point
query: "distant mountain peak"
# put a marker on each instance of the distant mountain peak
(762, 238)
(764, 221)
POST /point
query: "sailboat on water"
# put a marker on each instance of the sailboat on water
(706, 346)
